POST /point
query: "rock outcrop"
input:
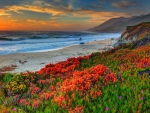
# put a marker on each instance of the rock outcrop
(135, 33)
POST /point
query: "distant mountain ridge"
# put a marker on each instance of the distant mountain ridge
(120, 24)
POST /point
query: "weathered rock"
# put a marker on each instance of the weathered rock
(135, 33)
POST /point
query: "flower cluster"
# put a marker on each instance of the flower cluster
(16, 85)
(34, 89)
(62, 69)
(85, 81)
(136, 58)
(36, 103)
(143, 63)
(78, 109)
(46, 96)
(24, 102)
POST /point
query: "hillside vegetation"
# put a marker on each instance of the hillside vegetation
(116, 81)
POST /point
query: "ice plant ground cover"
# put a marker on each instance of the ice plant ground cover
(114, 81)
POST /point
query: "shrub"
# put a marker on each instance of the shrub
(16, 85)
(7, 78)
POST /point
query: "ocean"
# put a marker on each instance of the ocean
(38, 41)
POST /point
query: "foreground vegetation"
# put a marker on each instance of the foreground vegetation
(113, 81)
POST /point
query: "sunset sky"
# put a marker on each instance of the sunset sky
(72, 15)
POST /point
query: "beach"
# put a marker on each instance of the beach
(34, 61)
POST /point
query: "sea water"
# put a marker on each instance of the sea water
(38, 41)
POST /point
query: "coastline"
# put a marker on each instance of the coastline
(34, 61)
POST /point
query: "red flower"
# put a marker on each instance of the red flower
(41, 82)
(24, 102)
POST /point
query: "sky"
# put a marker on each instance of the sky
(65, 15)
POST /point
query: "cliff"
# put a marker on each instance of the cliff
(135, 33)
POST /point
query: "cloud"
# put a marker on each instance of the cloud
(39, 9)
(59, 7)
(54, 7)
(47, 23)
(124, 4)
(92, 15)
(100, 17)
(31, 21)
(4, 14)
(93, 7)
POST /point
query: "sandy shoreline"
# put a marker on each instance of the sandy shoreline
(36, 60)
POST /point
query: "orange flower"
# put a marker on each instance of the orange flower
(60, 100)
(78, 109)
(36, 103)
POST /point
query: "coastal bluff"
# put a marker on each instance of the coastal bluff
(136, 33)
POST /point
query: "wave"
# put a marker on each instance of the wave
(5, 39)
(18, 36)
(39, 37)
(34, 37)
(23, 38)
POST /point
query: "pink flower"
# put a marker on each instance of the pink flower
(14, 109)
(142, 98)
(120, 97)
(107, 108)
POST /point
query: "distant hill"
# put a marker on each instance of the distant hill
(120, 24)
